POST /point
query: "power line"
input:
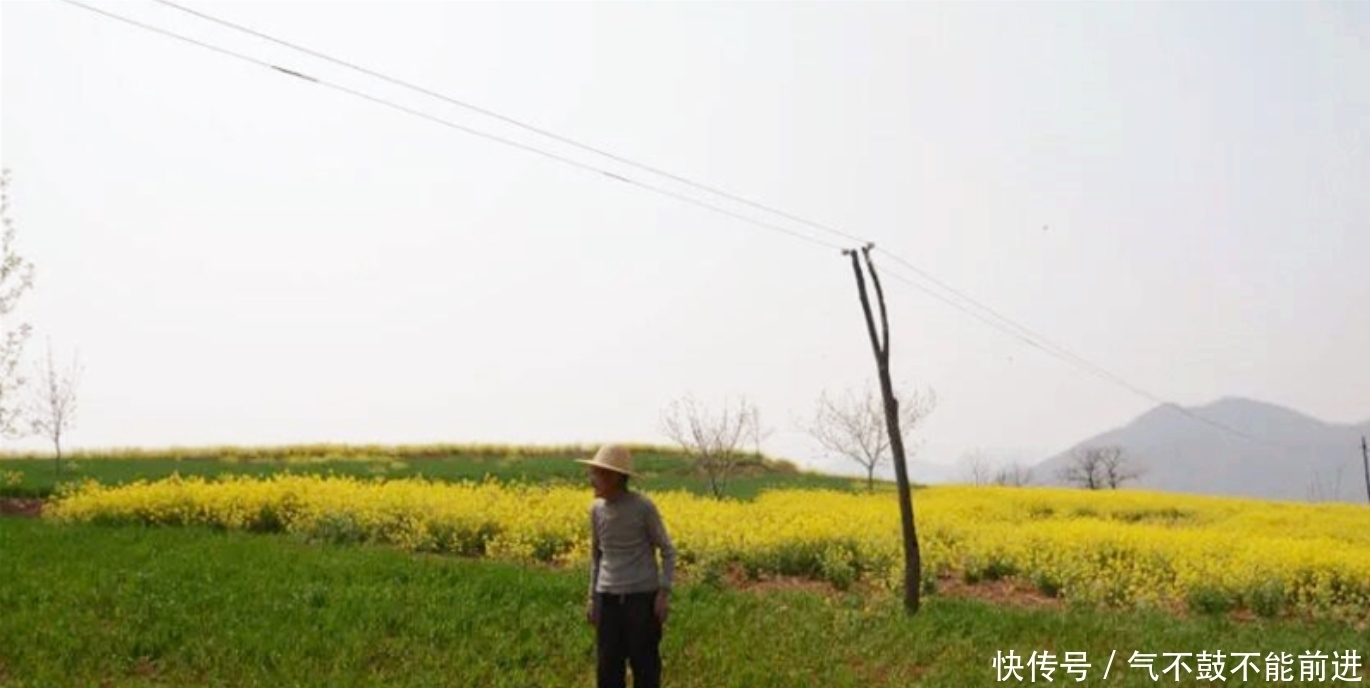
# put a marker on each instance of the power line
(995, 319)
(518, 123)
(459, 127)
(1027, 337)
(1022, 332)
(564, 139)
(985, 314)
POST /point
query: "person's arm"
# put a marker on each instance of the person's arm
(591, 608)
(656, 531)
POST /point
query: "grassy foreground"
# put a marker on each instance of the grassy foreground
(87, 605)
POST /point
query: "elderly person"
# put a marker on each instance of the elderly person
(629, 596)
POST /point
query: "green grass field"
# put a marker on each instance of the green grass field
(134, 606)
(84, 605)
(662, 469)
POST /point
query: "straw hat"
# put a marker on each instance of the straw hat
(612, 457)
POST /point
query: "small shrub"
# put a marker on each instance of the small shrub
(711, 573)
(929, 584)
(837, 567)
(268, 520)
(1047, 584)
(1166, 516)
(998, 569)
(1209, 600)
(548, 546)
(339, 528)
(1266, 599)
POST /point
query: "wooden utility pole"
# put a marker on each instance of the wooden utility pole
(1365, 456)
(913, 572)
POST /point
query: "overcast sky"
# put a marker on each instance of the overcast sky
(1175, 192)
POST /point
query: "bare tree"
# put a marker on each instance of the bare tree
(1013, 475)
(53, 408)
(16, 277)
(978, 467)
(1086, 468)
(854, 427)
(983, 471)
(715, 443)
(1118, 468)
(880, 343)
(1095, 468)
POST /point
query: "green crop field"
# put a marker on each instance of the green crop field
(83, 604)
(136, 606)
(33, 476)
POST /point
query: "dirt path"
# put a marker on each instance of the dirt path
(15, 506)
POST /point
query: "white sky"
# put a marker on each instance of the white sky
(243, 257)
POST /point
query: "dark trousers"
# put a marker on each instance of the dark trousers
(628, 632)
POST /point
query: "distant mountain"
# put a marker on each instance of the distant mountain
(1290, 456)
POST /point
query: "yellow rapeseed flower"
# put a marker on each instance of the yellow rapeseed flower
(1113, 547)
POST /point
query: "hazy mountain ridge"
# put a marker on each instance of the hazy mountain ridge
(1262, 450)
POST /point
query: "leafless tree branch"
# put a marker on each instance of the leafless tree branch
(1096, 468)
(53, 407)
(853, 426)
(715, 442)
(16, 278)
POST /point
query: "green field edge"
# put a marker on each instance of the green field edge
(144, 606)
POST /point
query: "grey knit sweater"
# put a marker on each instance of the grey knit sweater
(624, 536)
